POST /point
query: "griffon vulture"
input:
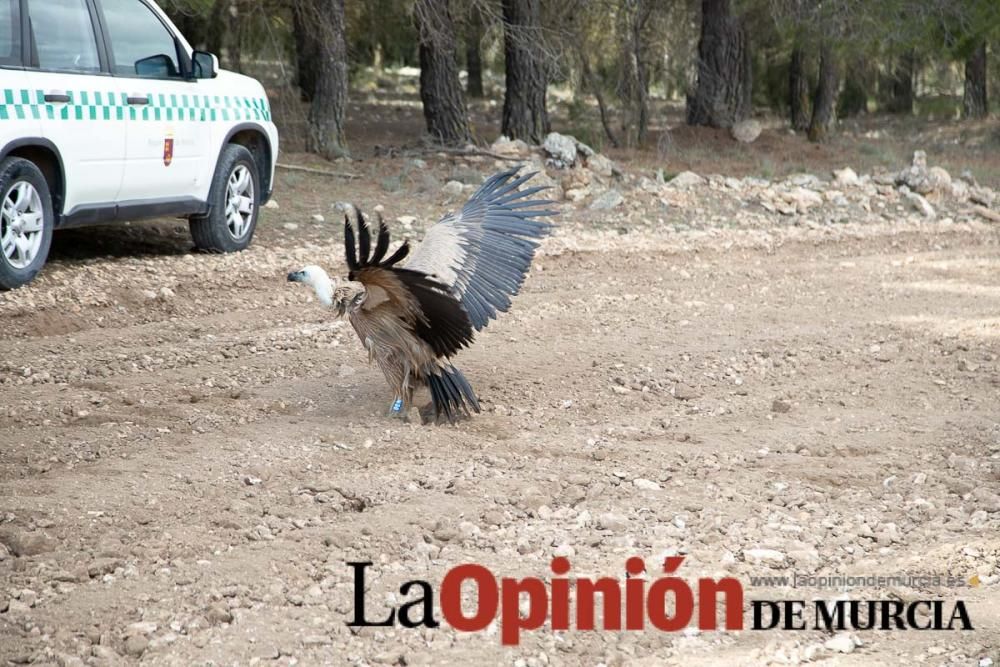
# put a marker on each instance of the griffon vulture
(413, 317)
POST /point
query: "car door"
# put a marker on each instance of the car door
(167, 139)
(19, 118)
(78, 105)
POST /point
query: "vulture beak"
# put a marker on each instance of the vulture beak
(296, 276)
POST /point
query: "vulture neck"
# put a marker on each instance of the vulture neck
(324, 287)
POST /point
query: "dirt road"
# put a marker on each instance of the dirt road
(192, 449)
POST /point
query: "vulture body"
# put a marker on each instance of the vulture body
(413, 317)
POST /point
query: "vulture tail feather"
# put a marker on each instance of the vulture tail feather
(441, 405)
(454, 395)
(466, 389)
(451, 393)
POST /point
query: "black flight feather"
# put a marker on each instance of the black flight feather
(466, 389)
(400, 254)
(383, 242)
(445, 325)
(350, 250)
(441, 404)
(358, 250)
(364, 240)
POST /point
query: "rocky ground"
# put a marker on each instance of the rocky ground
(768, 377)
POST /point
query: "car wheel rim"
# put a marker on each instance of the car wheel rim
(21, 225)
(239, 202)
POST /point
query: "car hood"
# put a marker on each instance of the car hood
(238, 84)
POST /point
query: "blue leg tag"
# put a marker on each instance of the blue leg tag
(397, 405)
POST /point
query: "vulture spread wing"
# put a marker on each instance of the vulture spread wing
(423, 304)
(482, 253)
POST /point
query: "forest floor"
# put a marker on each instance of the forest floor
(381, 122)
(193, 449)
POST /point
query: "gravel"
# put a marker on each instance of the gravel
(798, 390)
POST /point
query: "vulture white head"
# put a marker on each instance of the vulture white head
(343, 297)
(317, 278)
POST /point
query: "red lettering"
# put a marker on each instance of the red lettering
(560, 594)
(634, 594)
(611, 596)
(511, 620)
(506, 595)
(486, 594)
(707, 601)
(656, 605)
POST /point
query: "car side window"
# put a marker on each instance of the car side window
(140, 44)
(10, 32)
(63, 35)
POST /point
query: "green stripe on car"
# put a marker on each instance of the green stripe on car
(95, 105)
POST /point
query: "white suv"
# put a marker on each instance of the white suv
(106, 113)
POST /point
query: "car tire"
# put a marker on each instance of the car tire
(234, 204)
(27, 219)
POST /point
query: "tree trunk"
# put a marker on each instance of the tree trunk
(524, 112)
(191, 23)
(326, 113)
(215, 37)
(308, 50)
(901, 100)
(440, 88)
(854, 95)
(825, 100)
(798, 91)
(236, 30)
(595, 87)
(974, 102)
(722, 95)
(635, 79)
(473, 56)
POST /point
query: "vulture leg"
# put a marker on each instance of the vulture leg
(400, 407)
(399, 374)
(399, 410)
(396, 373)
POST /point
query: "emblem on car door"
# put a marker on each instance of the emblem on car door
(168, 150)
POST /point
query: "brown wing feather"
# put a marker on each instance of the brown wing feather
(423, 305)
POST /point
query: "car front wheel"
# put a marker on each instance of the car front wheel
(234, 203)
(26, 222)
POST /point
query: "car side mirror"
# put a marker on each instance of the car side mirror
(160, 66)
(204, 65)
